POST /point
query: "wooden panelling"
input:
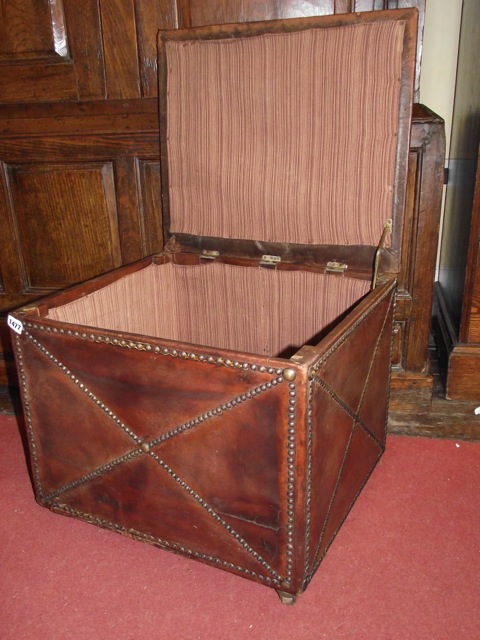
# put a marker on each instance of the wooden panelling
(74, 198)
(132, 235)
(88, 118)
(149, 19)
(424, 195)
(79, 143)
(120, 48)
(12, 273)
(221, 11)
(125, 136)
(415, 280)
(463, 378)
(81, 139)
(458, 287)
(151, 210)
(34, 82)
(85, 43)
(31, 29)
(470, 324)
(107, 49)
(52, 147)
(461, 350)
(72, 243)
(34, 59)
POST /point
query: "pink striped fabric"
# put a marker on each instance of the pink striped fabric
(285, 137)
(243, 309)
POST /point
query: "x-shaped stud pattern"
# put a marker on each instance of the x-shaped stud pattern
(211, 458)
(348, 419)
(101, 467)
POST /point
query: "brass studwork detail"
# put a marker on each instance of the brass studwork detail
(85, 389)
(94, 474)
(347, 334)
(215, 515)
(278, 378)
(308, 497)
(144, 346)
(291, 454)
(170, 546)
(28, 419)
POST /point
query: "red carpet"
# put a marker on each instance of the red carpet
(405, 565)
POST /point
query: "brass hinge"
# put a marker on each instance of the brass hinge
(387, 228)
(269, 262)
(336, 267)
(209, 254)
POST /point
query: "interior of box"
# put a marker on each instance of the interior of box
(261, 146)
(255, 310)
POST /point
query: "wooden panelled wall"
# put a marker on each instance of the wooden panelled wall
(79, 169)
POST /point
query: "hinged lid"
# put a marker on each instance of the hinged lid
(288, 138)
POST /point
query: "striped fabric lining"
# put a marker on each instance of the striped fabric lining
(260, 311)
(285, 137)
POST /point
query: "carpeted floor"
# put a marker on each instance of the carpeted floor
(406, 565)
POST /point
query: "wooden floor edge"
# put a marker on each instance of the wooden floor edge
(400, 425)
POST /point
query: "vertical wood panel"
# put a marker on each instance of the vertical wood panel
(398, 343)
(470, 324)
(406, 275)
(422, 251)
(130, 228)
(69, 212)
(151, 209)
(120, 48)
(12, 275)
(151, 17)
(85, 43)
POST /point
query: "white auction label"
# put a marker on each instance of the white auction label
(15, 324)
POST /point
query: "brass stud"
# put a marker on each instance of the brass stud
(289, 374)
(145, 447)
